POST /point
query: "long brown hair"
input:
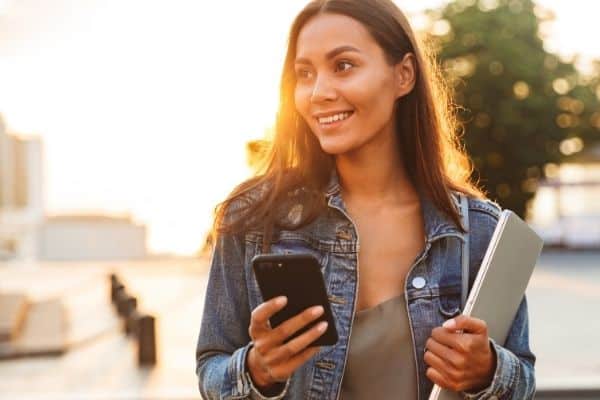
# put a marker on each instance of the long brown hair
(426, 127)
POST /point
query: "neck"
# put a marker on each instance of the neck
(375, 174)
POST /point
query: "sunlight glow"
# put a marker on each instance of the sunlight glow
(145, 107)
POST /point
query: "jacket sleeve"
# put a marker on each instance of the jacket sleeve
(224, 342)
(514, 377)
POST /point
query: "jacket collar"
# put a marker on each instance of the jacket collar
(437, 223)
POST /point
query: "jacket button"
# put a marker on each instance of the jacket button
(344, 235)
(418, 282)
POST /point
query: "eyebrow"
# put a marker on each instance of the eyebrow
(330, 54)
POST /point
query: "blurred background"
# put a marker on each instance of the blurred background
(123, 123)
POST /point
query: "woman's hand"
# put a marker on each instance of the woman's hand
(270, 360)
(460, 361)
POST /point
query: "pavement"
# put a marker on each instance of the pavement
(106, 366)
(564, 303)
(563, 298)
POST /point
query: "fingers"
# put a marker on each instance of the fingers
(298, 344)
(288, 328)
(457, 341)
(282, 361)
(259, 319)
(446, 353)
(292, 325)
(442, 367)
(278, 361)
(438, 378)
(466, 323)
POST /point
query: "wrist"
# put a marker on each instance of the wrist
(493, 362)
(260, 380)
(491, 371)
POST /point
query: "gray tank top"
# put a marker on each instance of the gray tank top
(381, 361)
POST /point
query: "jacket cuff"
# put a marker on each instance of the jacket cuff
(236, 371)
(242, 385)
(507, 371)
(255, 394)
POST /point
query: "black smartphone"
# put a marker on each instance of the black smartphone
(299, 278)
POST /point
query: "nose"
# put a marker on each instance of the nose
(323, 90)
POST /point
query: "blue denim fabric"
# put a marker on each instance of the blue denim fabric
(232, 294)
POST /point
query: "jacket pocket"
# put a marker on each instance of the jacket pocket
(293, 245)
(449, 305)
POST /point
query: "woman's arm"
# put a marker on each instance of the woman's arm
(224, 342)
(514, 377)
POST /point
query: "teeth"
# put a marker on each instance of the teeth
(334, 118)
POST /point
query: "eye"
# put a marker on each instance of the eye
(302, 74)
(344, 65)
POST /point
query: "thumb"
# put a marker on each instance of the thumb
(466, 323)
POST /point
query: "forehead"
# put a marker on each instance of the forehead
(328, 31)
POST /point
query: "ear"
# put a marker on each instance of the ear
(405, 71)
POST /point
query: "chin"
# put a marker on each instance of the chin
(335, 146)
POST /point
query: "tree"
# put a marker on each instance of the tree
(521, 106)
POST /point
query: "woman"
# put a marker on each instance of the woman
(365, 151)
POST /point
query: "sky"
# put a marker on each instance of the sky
(144, 107)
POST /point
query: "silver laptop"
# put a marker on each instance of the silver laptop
(501, 281)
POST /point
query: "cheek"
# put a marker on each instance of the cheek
(301, 100)
(369, 95)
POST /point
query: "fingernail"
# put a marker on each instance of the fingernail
(322, 326)
(317, 311)
(281, 300)
(449, 324)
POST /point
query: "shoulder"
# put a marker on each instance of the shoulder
(256, 189)
(484, 208)
(260, 198)
(483, 218)
(480, 207)
(248, 193)
(232, 214)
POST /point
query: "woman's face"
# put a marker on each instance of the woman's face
(345, 89)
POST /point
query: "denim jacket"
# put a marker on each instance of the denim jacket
(232, 294)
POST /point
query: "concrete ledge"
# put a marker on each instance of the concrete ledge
(567, 394)
(13, 310)
(43, 333)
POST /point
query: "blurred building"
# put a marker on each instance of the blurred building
(566, 208)
(27, 234)
(91, 237)
(21, 197)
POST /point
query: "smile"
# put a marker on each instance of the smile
(334, 119)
